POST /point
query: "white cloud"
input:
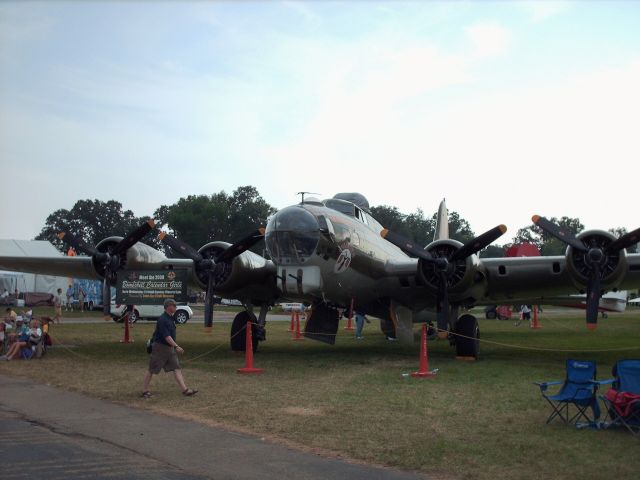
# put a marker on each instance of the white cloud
(489, 40)
(540, 10)
(557, 149)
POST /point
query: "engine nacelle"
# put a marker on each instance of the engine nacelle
(139, 256)
(233, 276)
(613, 265)
(461, 274)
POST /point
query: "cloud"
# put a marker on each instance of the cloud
(539, 11)
(488, 40)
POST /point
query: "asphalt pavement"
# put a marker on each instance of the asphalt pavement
(47, 432)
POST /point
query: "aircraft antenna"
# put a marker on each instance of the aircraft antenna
(303, 194)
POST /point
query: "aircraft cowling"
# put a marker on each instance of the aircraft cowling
(139, 256)
(460, 273)
(612, 267)
(232, 276)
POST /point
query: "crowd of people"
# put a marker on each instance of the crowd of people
(22, 336)
(74, 299)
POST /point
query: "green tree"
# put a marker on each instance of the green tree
(548, 244)
(93, 221)
(200, 219)
(417, 227)
(391, 218)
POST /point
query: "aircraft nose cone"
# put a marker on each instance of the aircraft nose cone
(292, 235)
(293, 219)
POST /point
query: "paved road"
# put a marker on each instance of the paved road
(47, 432)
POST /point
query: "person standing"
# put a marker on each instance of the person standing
(57, 304)
(360, 319)
(164, 351)
(69, 298)
(525, 314)
(81, 298)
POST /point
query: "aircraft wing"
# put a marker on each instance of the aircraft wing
(518, 278)
(76, 267)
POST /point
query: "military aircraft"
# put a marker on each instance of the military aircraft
(328, 253)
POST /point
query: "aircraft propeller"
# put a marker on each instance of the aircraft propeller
(595, 256)
(209, 264)
(111, 260)
(443, 264)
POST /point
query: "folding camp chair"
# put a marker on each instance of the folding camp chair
(622, 400)
(578, 389)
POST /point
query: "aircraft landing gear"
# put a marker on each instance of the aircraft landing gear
(238, 332)
(467, 336)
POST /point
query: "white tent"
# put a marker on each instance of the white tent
(635, 301)
(30, 282)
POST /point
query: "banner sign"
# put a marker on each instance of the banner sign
(151, 287)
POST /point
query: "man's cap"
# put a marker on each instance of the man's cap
(169, 301)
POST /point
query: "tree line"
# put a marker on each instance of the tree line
(200, 219)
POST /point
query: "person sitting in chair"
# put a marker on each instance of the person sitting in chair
(22, 341)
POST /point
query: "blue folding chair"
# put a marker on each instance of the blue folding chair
(579, 389)
(622, 400)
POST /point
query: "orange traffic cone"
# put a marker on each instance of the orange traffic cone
(535, 325)
(248, 357)
(292, 326)
(424, 372)
(298, 336)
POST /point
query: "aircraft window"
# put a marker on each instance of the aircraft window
(296, 246)
(341, 206)
(292, 235)
(361, 216)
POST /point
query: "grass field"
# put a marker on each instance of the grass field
(481, 420)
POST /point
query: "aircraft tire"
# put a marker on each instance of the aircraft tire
(468, 343)
(238, 339)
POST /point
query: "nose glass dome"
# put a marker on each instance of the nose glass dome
(292, 235)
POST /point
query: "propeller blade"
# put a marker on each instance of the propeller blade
(133, 238)
(78, 244)
(180, 247)
(106, 294)
(593, 298)
(242, 245)
(480, 242)
(624, 241)
(406, 245)
(208, 301)
(560, 233)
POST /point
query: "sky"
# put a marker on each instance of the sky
(506, 109)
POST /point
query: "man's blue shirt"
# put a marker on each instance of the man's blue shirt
(165, 327)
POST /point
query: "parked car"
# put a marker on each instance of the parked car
(150, 312)
(231, 302)
(292, 307)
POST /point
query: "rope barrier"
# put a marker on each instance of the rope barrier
(484, 341)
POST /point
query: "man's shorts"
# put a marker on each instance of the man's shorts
(526, 315)
(163, 356)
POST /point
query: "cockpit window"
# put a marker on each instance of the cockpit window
(341, 206)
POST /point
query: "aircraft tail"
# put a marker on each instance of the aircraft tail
(442, 222)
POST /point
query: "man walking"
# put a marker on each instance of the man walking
(164, 351)
(57, 304)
